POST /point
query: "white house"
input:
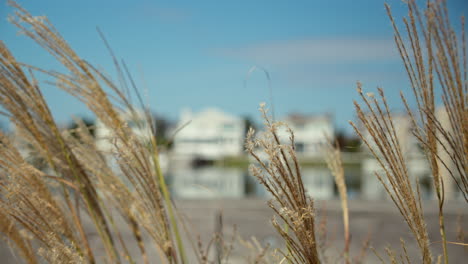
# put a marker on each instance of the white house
(207, 182)
(403, 128)
(450, 188)
(415, 161)
(141, 129)
(310, 133)
(318, 183)
(136, 121)
(210, 134)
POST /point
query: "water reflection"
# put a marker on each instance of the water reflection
(318, 183)
(207, 182)
(226, 182)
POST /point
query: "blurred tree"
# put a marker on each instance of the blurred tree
(162, 126)
(249, 123)
(89, 123)
(33, 156)
(347, 143)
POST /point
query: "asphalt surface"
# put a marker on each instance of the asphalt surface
(378, 221)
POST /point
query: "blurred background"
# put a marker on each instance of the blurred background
(207, 65)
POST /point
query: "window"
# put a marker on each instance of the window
(228, 126)
(300, 147)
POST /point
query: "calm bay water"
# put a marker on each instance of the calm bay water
(231, 182)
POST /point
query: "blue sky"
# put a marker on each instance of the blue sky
(197, 53)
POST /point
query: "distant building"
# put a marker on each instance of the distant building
(318, 183)
(136, 121)
(141, 129)
(415, 161)
(403, 128)
(310, 133)
(207, 182)
(450, 187)
(210, 134)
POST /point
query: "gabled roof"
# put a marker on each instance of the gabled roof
(297, 118)
(214, 115)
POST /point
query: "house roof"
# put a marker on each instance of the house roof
(212, 114)
(298, 118)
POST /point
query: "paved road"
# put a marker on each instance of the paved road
(379, 220)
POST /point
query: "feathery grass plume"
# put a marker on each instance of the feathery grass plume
(387, 150)
(13, 234)
(77, 164)
(443, 55)
(29, 206)
(28, 111)
(335, 164)
(281, 176)
(435, 58)
(109, 185)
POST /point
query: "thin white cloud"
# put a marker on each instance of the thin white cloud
(326, 79)
(314, 51)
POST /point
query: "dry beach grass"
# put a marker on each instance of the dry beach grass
(42, 212)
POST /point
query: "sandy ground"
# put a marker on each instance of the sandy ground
(377, 221)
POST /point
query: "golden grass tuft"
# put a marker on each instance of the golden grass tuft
(435, 59)
(281, 175)
(88, 185)
(335, 164)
